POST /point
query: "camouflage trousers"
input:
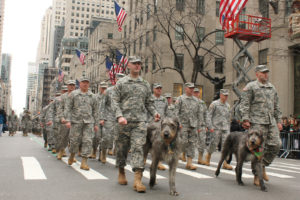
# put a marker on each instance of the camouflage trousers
(12, 128)
(81, 134)
(50, 136)
(131, 136)
(62, 137)
(97, 138)
(55, 133)
(272, 142)
(108, 134)
(215, 138)
(201, 140)
(44, 135)
(189, 139)
(26, 128)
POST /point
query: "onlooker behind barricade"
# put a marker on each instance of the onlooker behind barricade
(284, 132)
(2, 120)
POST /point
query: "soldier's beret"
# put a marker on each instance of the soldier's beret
(134, 59)
(71, 82)
(190, 85)
(168, 95)
(261, 68)
(157, 85)
(103, 84)
(224, 92)
(84, 79)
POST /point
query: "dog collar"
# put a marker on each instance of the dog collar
(258, 152)
(171, 147)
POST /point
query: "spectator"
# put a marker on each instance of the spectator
(285, 131)
(2, 120)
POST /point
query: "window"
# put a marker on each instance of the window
(130, 8)
(110, 36)
(147, 39)
(146, 65)
(134, 47)
(288, 7)
(179, 32)
(179, 62)
(200, 63)
(141, 17)
(200, 6)
(219, 65)
(129, 27)
(264, 8)
(148, 11)
(200, 32)
(180, 5)
(154, 33)
(242, 19)
(155, 6)
(125, 31)
(217, 8)
(263, 57)
(77, 14)
(220, 37)
(177, 89)
(153, 62)
(141, 43)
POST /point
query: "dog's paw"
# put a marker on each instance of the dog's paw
(174, 193)
(217, 173)
(264, 189)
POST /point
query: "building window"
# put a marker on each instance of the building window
(153, 62)
(264, 8)
(147, 39)
(179, 63)
(141, 43)
(179, 32)
(134, 47)
(148, 11)
(219, 65)
(130, 8)
(200, 6)
(177, 89)
(125, 31)
(200, 63)
(218, 8)
(200, 32)
(220, 38)
(141, 17)
(263, 57)
(180, 5)
(288, 7)
(110, 36)
(129, 27)
(146, 65)
(154, 33)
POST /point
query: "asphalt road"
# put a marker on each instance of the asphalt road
(29, 172)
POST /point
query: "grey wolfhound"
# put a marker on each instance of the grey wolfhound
(163, 142)
(247, 146)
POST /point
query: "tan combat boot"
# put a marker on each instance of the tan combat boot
(256, 181)
(59, 155)
(110, 152)
(64, 154)
(183, 158)
(207, 159)
(45, 145)
(122, 178)
(103, 155)
(71, 159)
(160, 166)
(189, 164)
(138, 185)
(200, 156)
(93, 155)
(265, 176)
(226, 166)
(84, 165)
(53, 151)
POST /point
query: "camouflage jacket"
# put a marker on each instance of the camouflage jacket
(188, 110)
(61, 107)
(219, 115)
(132, 99)
(106, 109)
(55, 107)
(26, 119)
(12, 120)
(161, 105)
(203, 106)
(82, 107)
(171, 111)
(260, 103)
(47, 114)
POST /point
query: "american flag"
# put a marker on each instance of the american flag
(122, 60)
(229, 9)
(60, 75)
(110, 67)
(81, 56)
(121, 15)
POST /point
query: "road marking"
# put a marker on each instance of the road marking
(90, 174)
(288, 164)
(32, 169)
(186, 172)
(146, 173)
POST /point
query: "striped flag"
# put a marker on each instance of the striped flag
(81, 56)
(122, 60)
(121, 15)
(60, 75)
(110, 67)
(230, 9)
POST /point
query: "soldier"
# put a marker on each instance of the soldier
(260, 110)
(47, 125)
(36, 124)
(201, 136)
(63, 136)
(82, 117)
(26, 122)
(189, 112)
(55, 106)
(98, 134)
(171, 106)
(12, 123)
(132, 100)
(219, 125)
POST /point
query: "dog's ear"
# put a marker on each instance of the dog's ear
(175, 119)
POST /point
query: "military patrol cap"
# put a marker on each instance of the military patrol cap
(196, 90)
(71, 82)
(120, 75)
(224, 92)
(64, 87)
(261, 68)
(168, 95)
(84, 79)
(134, 59)
(157, 85)
(103, 85)
(190, 85)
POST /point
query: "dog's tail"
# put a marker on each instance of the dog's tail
(225, 153)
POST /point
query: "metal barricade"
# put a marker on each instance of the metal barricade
(290, 143)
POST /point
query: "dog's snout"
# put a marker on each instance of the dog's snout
(253, 141)
(166, 134)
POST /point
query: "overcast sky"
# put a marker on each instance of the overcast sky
(21, 33)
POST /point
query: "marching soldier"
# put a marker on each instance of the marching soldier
(82, 117)
(12, 123)
(171, 106)
(47, 125)
(26, 122)
(189, 113)
(219, 125)
(260, 110)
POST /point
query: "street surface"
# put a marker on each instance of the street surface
(29, 172)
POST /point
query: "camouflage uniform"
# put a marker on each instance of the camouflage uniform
(219, 120)
(171, 111)
(56, 123)
(108, 115)
(82, 111)
(26, 123)
(201, 145)
(98, 134)
(188, 111)
(161, 105)
(260, 106)
(47, 116)
(12, 123)
(132, 100)
(36, 128)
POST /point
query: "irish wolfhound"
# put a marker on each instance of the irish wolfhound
(246, 146)
(164, 144)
